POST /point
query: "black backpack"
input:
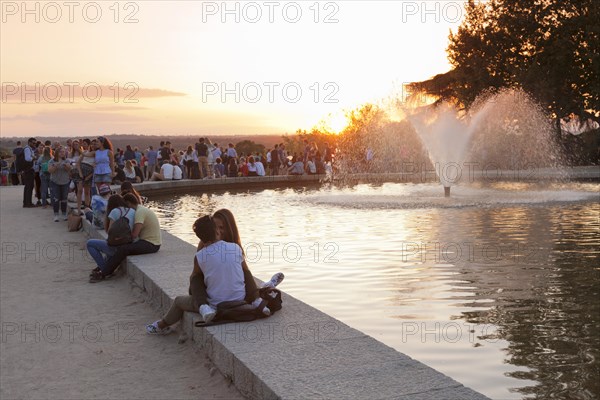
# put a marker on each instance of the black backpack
(240, 311)
(20, 164)
(119, 232)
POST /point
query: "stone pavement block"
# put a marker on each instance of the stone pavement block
(353, 380)
(459, 392)
(284, 329)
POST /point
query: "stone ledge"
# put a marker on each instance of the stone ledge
(299, 352)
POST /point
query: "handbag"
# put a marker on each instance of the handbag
(74, 222)
(119, 232)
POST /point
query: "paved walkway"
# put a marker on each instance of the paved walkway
(64, 338)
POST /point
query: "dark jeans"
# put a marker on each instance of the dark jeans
(131, 249)
(38, 185)
(45, 179)
(28, 178)
(59, 196)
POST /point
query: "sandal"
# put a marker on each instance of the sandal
(96, 277)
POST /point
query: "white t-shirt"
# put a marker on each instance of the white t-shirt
(177, 173)
(221, 264)
(167, 171)
(119, 212)
(260, 169)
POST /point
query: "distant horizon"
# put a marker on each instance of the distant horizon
(12, 138)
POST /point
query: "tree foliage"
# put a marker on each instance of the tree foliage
(249, 147)
(549, 48)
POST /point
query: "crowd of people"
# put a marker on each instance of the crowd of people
(86, 168)
(56, 171)
(200, 160)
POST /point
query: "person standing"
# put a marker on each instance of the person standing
(27, 172)
(43, 162)
(152, 161)
(104, 162)
(202, 151)
(189, 158)
(85, 165)
(231, 153)
(165, 153)
(59, 168)
(37, 181)
(17, 176)
(275, 160)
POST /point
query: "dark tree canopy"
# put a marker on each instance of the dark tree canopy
(549, 48)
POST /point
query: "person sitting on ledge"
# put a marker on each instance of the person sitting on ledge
(219, 265)
(97, 214)
(297, 168)
(99, 249)
(219, 168)
(129, 171)
(177, 172)
(146, 238)
(165, 174)
(127, 187)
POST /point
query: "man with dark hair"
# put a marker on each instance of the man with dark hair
(16, 151)
(165, 153)
(275, 160)
(202, 152)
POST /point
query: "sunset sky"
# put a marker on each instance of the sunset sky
(283, 65)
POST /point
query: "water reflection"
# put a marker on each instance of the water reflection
(498, 291)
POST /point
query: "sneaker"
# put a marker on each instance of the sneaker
(275, 280)
(153, 329)
(55, 217)
(96, 277)
(207, 313)
(65, 217)
(256, 303)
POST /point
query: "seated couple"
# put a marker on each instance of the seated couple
(220, 273)
(168, 171)
(145, 231)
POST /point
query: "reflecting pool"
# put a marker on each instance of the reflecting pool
(497, 286)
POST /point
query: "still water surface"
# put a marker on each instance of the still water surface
(497, 287)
